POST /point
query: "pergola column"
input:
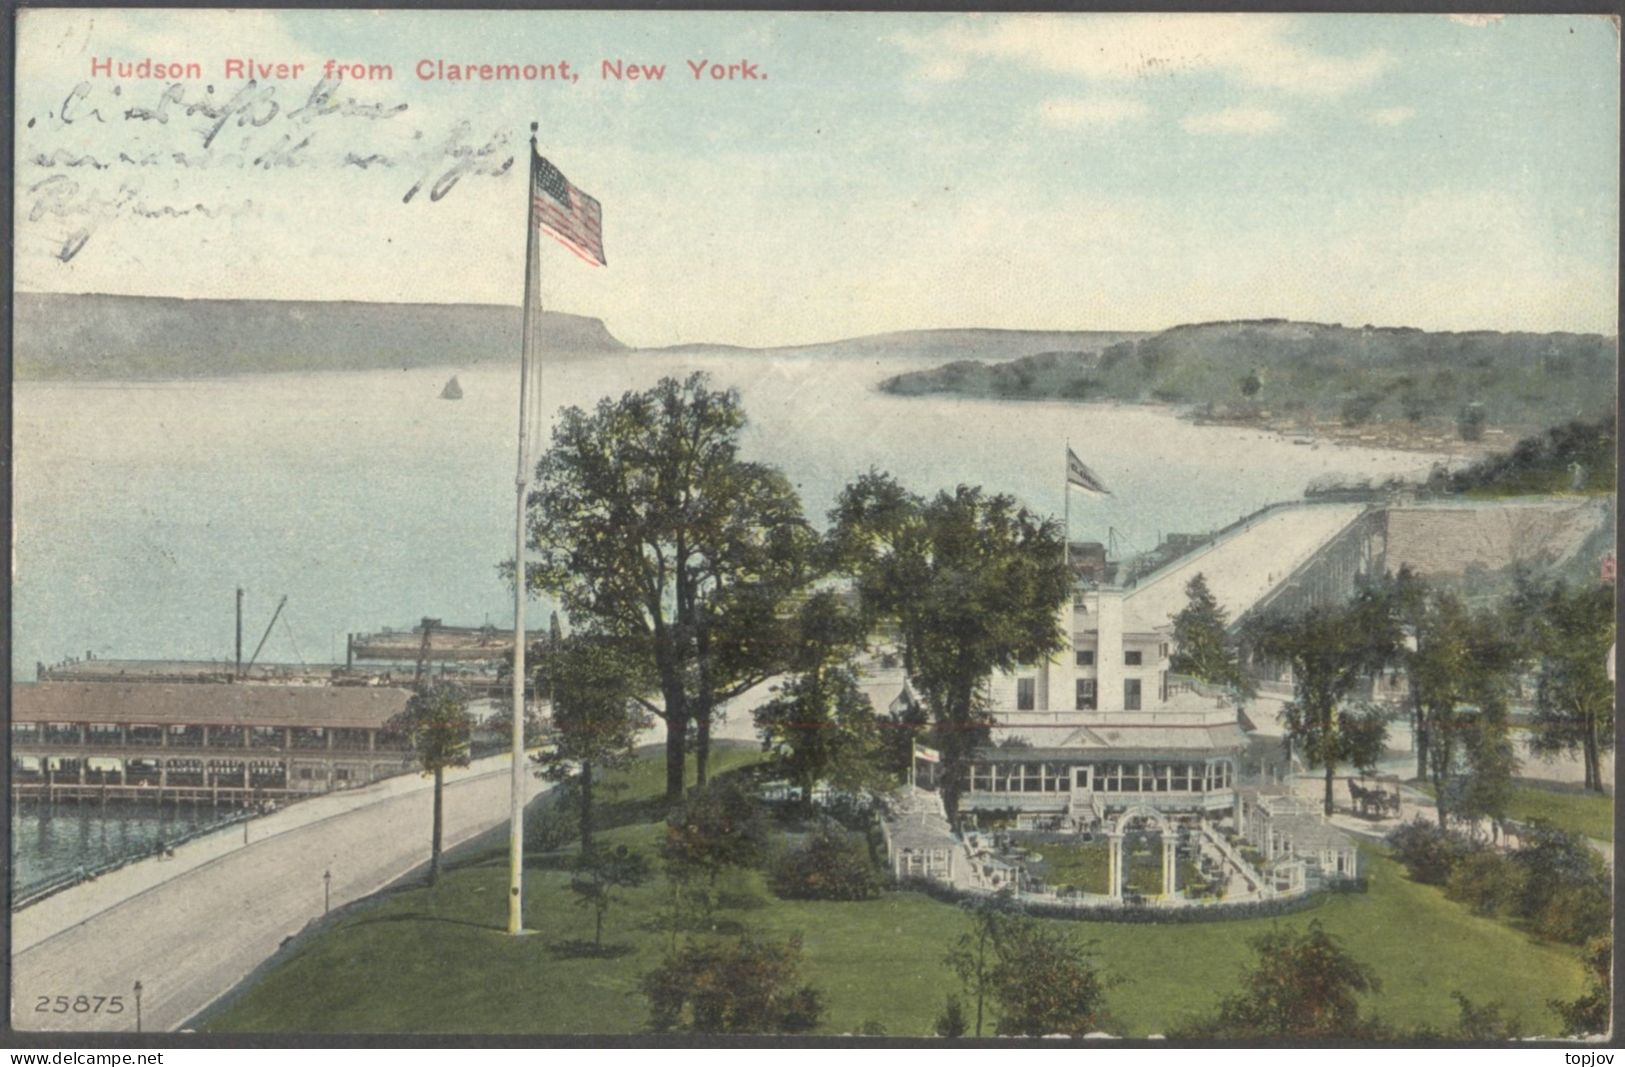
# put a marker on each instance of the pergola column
(1114, 866)
(1170, 866)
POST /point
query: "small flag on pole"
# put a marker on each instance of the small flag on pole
(929, 755)
(569, 215)
(1081, 476)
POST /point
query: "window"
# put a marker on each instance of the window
(1086, 694)
(1132, 659)
(1025, 694)
(1131, 694)
(1086, 657)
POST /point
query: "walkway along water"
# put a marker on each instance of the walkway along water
(190, 928)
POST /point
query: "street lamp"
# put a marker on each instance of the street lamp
(138, 1006)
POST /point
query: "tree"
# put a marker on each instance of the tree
(831, 865)
(1303, 986)
(1043, 982)
(598, 872)
(596, 720)
(974, 583)
(1331, 650)
(652, 530)
(819, 724)
(1589, 1013)
(437, 728)
(1202, 644)
(749, 986)
(972, 955)
(1569, 632)
(718, 826)
(1459, 664)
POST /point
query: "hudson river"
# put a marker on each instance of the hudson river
(370, 501)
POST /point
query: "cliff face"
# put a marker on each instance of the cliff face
(98, 336)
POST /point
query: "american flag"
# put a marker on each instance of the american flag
(572, 217)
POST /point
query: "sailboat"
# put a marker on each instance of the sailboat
(452, 391)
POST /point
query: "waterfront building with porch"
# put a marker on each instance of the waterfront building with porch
(200, 742)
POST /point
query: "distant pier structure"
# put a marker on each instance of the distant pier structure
(221, 744)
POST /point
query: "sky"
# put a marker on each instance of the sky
(880, 172)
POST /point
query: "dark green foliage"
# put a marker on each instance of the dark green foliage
(831, 865)
(1202, 644)
(1043, 981)
(1545, 462)
(1459, 664)
(438, 727)
(1318, 370)
(1589, 1013)
(1304, 986)
(819, 724)
(1470, 422)
(1035, 976)
(598, 872)
(1489, 883)
(1331, 650)
(1565, 892)
(1568, 632)
(653, 531)
(952, 1023)
(1428, 852)
(748, 986)
(718, 826)
(595, 720)
(973, 582)
(1486, 1022)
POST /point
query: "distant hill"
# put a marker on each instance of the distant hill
(945, 344)
(1267, 369)
(98, 336)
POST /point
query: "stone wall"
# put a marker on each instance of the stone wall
(1446, 540)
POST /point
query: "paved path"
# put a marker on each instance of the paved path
(1245, 565)
(191, 928)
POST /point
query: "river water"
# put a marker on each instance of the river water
(369, 501)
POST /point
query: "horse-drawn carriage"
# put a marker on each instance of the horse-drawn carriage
(1377, 802)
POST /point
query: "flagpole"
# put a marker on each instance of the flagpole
(516, 799)
(1066, 493)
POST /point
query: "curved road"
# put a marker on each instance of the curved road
(192, 929)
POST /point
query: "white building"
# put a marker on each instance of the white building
(1102, 727)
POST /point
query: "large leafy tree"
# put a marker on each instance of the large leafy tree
(819, 723)
(1568, 632)
(438, 728)
(1036, 976)
(1331, 650)
(973, 583)
(1303, 986)
(1459, 664)
(1203, 647)
(651, 529)
(595, 718)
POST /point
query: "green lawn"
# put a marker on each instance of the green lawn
(423, 961)
(1084, 867)
(1591, 814)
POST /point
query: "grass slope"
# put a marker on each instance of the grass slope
(437, 961)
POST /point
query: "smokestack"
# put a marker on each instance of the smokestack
(239, 673)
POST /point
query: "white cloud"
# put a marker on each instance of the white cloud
(1101, 111)
(1260, 51)
(1391, 116)
(1247, 120)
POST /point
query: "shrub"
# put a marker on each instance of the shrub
(832, 865)
(952, 1023)
(1565, 889)
(1427, 851)
(1489, 883)
(742, 987)
(1589, 1013)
